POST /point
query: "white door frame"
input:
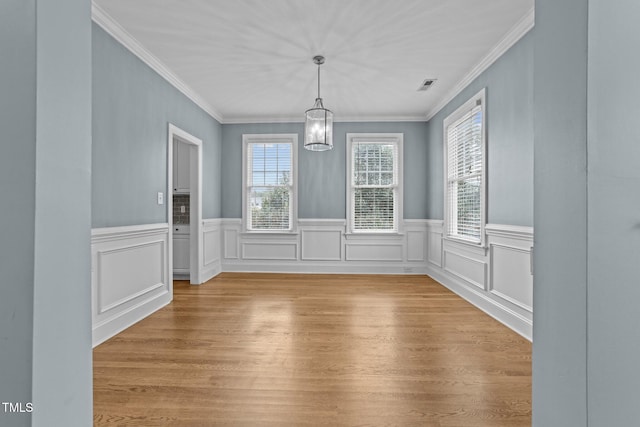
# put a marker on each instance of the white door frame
(195, 204)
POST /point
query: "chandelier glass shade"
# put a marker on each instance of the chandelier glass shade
(318, 124)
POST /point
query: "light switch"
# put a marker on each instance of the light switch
(160, 198)
(182, 209)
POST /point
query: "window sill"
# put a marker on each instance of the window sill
(479, 247)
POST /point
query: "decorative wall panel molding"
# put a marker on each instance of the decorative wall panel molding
(381, 252)
(416, 245)
(497, 279)
(211, 265)
(469, 269)
(510, 269)
(434, 242)
(322, 246)
(270, 250)
(511, 278)
(130, 277)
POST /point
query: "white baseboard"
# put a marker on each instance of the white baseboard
(324, 268)
(478, 298)
(122, 320)
(210, 271)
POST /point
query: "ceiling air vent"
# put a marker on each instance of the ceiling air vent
(427, 84)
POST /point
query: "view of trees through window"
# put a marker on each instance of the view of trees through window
(269, 186)
(270, 206)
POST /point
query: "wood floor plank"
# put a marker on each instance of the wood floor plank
(292, 349)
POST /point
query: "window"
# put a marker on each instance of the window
(464, 135)
(269, 178)
(374, 182)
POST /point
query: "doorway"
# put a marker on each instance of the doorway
(184, 184)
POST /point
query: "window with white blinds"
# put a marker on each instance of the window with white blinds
(269, 172)
(465, 158)
(374, 182)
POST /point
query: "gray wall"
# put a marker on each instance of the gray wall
(45, 175)
(62, 355)
(587, 150)
(509, 83)
(613, 335)
(17, 184)
(560, 267)
(322, 175)
(132, 106)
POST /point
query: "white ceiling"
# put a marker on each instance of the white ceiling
(250, 60)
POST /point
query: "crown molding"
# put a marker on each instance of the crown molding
(115, 30)
(516, 33)
(340, 119)
(390, 118)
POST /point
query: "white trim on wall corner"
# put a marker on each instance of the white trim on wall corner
(115, 30)
(516, 33)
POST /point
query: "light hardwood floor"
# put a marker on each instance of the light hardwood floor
(276, 349)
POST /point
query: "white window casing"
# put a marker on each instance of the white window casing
(374, 183)
(269, 182)
(465, 171)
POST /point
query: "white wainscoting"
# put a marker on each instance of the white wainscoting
(466, 262)
(510, 266)
(211, 265)
(434, 243)
(322, 246)
(321, 240)
(130, 276)
(497, 279)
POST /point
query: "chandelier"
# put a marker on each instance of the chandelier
(318, 124)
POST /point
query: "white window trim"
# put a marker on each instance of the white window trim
(452, 118)
(291, 138)
(394, 138)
